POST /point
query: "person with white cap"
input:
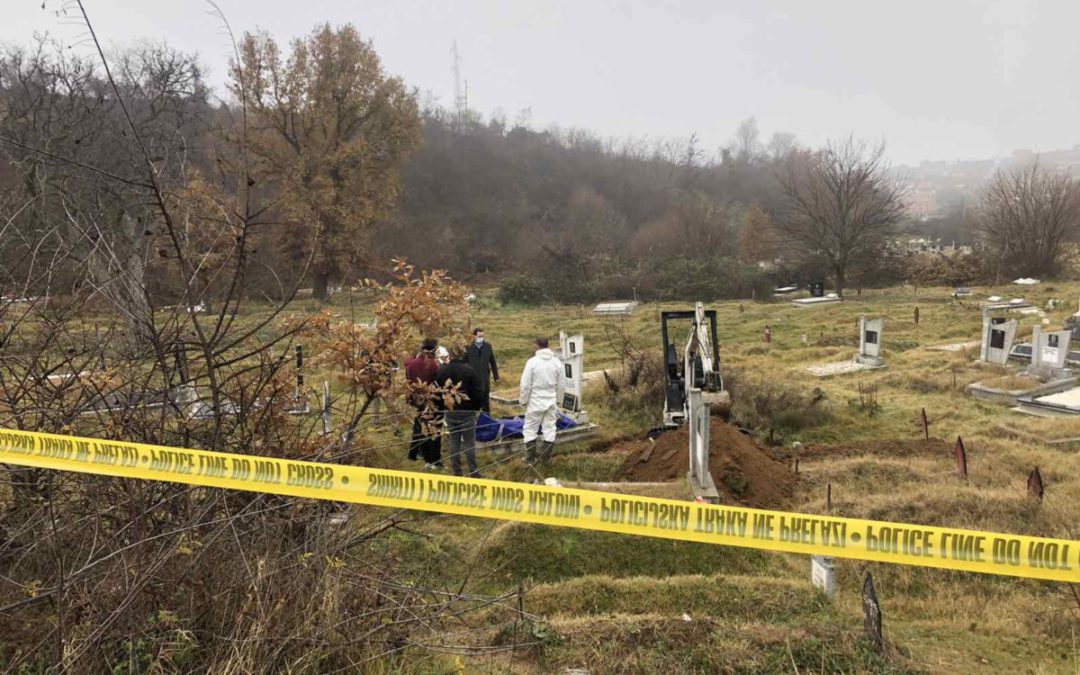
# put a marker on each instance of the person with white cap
(461, 410)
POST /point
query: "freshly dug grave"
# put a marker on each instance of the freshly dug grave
(744, 472)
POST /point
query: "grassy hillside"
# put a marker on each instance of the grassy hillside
(616, 604)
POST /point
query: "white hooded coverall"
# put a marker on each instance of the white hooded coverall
(542, 385)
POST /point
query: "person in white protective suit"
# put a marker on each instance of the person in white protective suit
(542, 385)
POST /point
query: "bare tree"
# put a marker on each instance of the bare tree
(1026, 217)
(780, 144)
(840, 203)
(98, 189)
(746, 145)
(82, 149)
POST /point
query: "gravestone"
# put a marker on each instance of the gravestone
(870, 341)
(699, 474)
(997, 339)
(572, 355)
(823, 574)
(1073, 324)
(1049, 350)
(817, 289)
(872, 613)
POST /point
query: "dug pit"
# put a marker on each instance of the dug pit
(745, 472)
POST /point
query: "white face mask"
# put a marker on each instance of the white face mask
(479, 341)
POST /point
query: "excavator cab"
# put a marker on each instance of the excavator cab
(699, 363)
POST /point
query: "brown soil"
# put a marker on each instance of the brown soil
(745, 472)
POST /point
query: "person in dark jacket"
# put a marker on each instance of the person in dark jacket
(426, 439)
(481, 357)
(461, 411)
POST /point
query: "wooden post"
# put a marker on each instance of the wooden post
(1035, 485)
(961, 457)
(925, 426)
(872, 614)
(299, 371)
(828, 498)
(326, 425)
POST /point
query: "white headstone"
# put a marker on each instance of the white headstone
(997, 340)
(823, 574)
(870, 331)
(572, 355)
(1049, 349)
(698, 422)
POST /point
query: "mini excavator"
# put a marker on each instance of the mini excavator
(698, 367)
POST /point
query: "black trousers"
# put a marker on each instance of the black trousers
(426, 439)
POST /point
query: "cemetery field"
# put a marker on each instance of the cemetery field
(617, 604)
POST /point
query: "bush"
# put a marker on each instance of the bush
(772, 406)
(939, 270)
(521, 289)
(684, 278)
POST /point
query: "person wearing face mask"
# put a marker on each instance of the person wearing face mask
(481, 357)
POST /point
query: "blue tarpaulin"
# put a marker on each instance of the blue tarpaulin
(489, 428)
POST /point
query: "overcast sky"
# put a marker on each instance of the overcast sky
(944, 79)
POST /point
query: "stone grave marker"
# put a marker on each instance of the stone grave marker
(1049, 349)
(817, 289)
(572, 355)
(823, 574)
(699, 474)
(997, 339)
(870, 341)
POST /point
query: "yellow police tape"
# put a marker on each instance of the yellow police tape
(974, 551)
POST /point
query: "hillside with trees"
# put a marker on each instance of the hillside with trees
(362, 172)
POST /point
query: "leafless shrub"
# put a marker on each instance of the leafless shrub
(100, 574)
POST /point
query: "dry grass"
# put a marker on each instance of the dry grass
(949, 622)
(614, 604)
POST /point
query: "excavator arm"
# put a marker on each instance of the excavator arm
(699, 367)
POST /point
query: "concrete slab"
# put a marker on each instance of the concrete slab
(811, 302)
(1012, 396)
(1069, 398)
(616, 308)
(842, 368)
(954, 347)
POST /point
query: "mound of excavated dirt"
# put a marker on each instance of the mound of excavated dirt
(744, 471)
